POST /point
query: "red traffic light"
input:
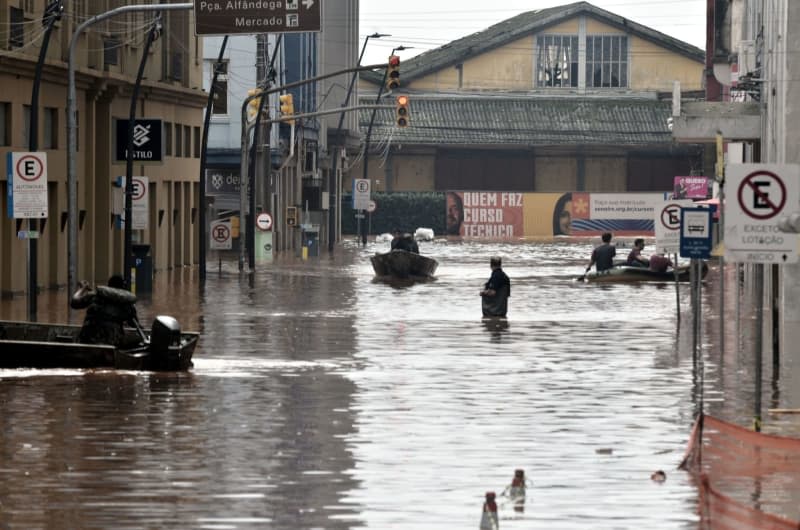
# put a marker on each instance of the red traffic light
(393, 72)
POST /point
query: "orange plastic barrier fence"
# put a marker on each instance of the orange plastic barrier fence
(747, 480)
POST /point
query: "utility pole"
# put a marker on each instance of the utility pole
(128, 258)
(333, 183)
(203, 156)
(52, 14)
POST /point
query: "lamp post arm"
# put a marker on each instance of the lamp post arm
(72, 143)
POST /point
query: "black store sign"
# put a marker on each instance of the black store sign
(148, 145)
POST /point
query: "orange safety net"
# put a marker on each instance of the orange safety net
(747, 480)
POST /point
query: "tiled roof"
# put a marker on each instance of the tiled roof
(524, 24)
(523, 121)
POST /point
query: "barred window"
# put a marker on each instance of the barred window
(607, 61)
(557, 61)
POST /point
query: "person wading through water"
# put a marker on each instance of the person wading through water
(494, 296)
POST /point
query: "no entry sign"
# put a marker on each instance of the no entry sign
(761, 195)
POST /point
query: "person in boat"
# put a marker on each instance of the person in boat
(603, 255)
(404, 241)
(660, 263)
(108, 309)
(495, 293)
(635, 258)
(396, 237)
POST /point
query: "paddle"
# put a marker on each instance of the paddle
(138, 326)
(583, 276)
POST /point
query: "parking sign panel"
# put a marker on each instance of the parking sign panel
(760, 195)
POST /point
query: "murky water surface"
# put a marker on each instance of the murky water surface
(323, 399)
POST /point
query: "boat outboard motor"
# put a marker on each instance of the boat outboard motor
(165, 332)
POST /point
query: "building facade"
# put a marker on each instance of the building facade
(753, 59)
(570, 98)
(295, 168)
(107, 59)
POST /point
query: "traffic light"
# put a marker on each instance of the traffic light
(401, 112)
(253, 104)
(287, 106)
(393, 73)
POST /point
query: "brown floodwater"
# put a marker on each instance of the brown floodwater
(321, 398)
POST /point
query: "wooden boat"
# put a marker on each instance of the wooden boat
(40, 345)
(628, 274)
(403, 264)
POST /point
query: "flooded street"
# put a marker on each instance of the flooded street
(323, 399)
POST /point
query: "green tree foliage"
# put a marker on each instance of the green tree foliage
(404, 210)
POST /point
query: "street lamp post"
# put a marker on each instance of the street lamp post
(369, 132)
(333, 186)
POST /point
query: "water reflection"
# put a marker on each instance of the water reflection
(323, 399)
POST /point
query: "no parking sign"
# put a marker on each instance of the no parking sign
(220, 236)
(668, 225)
(760, 196)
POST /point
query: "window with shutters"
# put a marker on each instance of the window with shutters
(5, 122)
(187, 141)
(178, 140)
(168, 138)
(50, 132)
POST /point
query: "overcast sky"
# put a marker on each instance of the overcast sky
(428, 24)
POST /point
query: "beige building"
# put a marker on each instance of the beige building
(570, 98)
(107, 59)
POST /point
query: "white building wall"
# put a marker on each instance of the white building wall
(780, 99)
(225, 131)
(338, 50)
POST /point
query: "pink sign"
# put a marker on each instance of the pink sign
(690, 188)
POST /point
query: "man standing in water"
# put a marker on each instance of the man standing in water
(494, 296)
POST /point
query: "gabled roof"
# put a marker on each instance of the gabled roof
(524, 24)
(524, 121)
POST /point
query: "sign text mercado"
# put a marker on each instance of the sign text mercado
(223, 17)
